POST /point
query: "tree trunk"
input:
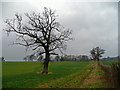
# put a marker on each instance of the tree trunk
(97, 59)
(46, 62)
(45, 68)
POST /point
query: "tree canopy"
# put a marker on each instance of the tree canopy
(96, 53)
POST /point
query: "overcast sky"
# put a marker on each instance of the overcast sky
(93, 24)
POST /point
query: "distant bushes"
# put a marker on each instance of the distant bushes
(112, 73)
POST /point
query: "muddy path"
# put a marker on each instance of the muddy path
(95, 79)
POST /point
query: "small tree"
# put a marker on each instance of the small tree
(3, 59)
(42, 33)
(57, 58)
(96, 53)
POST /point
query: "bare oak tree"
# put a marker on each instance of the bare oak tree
(42, 33)
(96, 53)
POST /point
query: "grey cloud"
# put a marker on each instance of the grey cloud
(93, 24)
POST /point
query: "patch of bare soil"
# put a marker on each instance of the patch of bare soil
(42, 73)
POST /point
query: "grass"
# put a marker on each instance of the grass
(70, 81)
(95, 85)
(23, 74)
(94, 79)
(16, 68)
(99, 72)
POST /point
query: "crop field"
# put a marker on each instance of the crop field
(23, 74)
(61, 75)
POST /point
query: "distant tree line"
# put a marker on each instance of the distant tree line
(33, 57)
(58, 58)
(72, 58)
(110, 58)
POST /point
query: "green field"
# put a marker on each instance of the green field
(23, 74)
